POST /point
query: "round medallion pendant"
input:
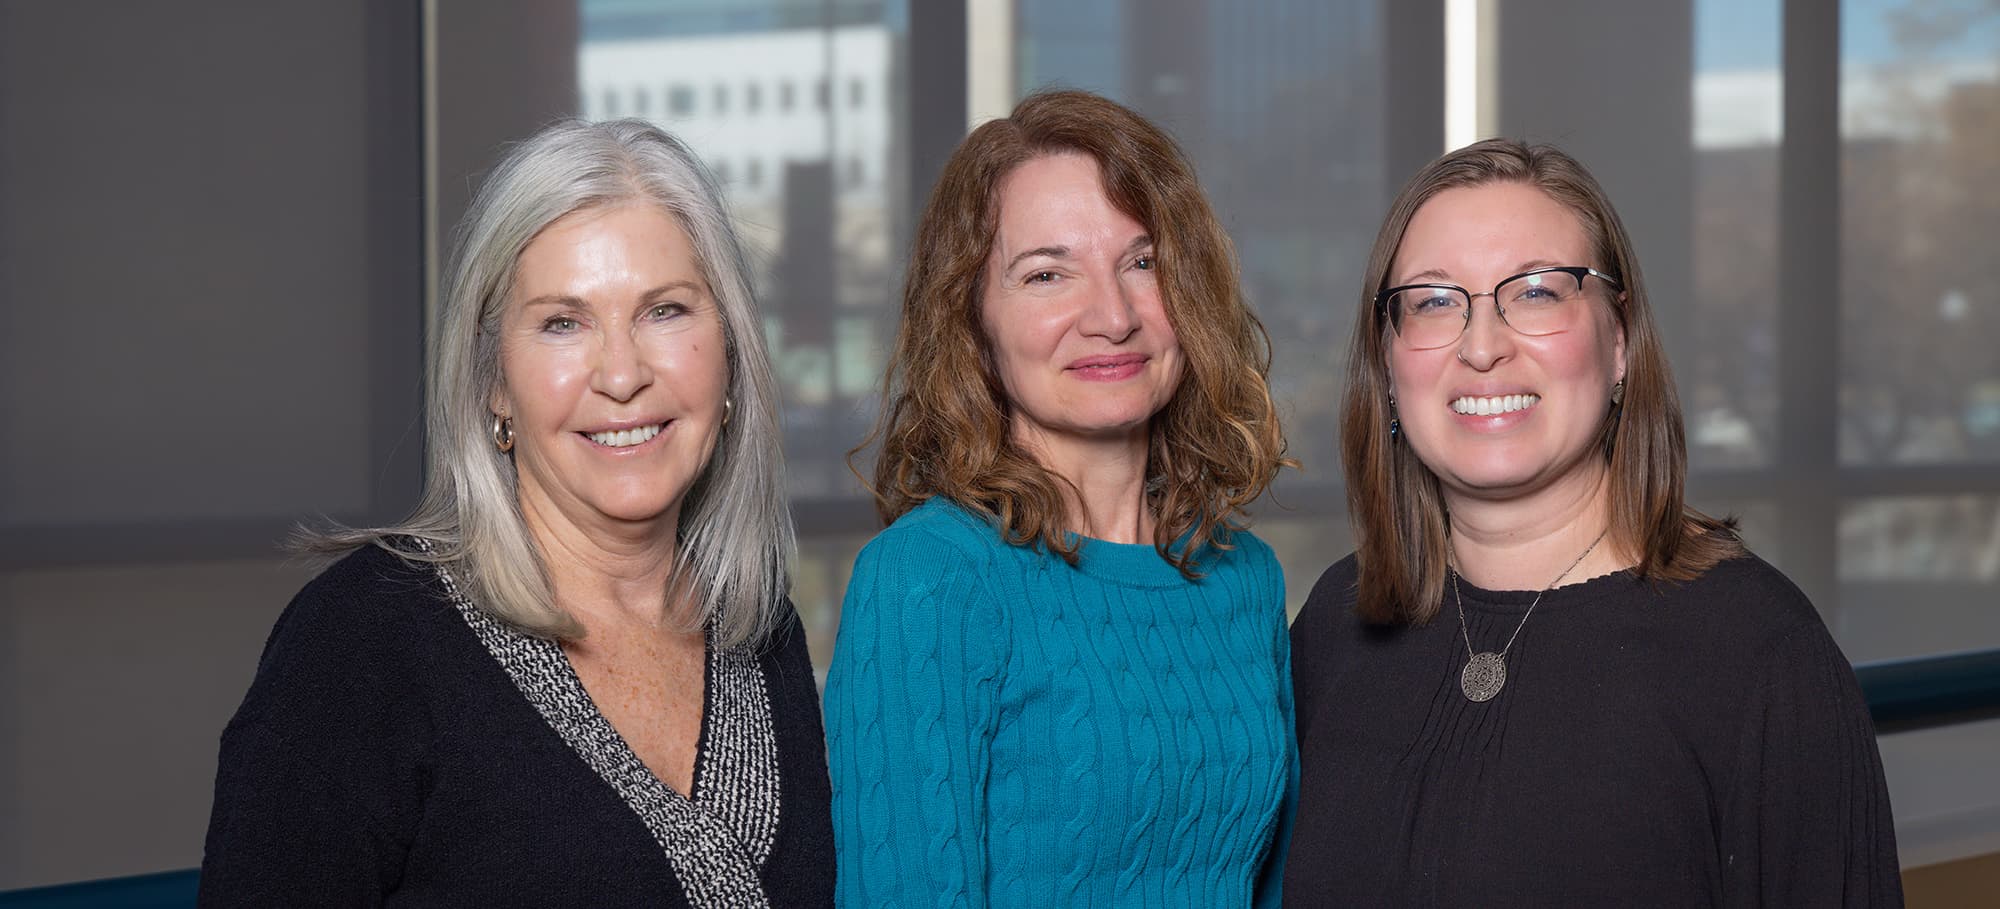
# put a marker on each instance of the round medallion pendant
(1485, 674)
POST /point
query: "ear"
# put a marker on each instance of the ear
(498, 403)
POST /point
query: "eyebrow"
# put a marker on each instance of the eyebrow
(1053, 252)
(1439, 274)
(1062, 252)
(572, 300)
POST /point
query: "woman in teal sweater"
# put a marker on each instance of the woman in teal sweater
(1062, 676)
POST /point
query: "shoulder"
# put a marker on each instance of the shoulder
(1250, 559)
(938, 532)
(1248, 549)
(786, 648)
(371, 598)
(1749, 626)
(359, 630)
(1332, 596)
(1764, 607)
(1327, 609)
(928, 569)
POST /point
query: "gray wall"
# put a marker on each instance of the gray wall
(212, 273)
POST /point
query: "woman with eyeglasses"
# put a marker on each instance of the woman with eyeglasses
(1542, 679)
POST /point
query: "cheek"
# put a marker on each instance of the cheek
(695, 364)
(1580, 357)
(1411, 370)
(1018, 345)
(537, 379)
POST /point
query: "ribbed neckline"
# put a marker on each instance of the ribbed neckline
(1517, 601)
(1125, 564)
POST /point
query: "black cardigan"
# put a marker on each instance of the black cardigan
(1683, 745)
(400, 748)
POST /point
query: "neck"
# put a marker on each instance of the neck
(1523, 545)
(607, 574)
(1108, 474)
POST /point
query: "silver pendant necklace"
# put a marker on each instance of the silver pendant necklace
(1485, 673)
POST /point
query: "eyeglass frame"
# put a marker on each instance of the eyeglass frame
(1579, 272)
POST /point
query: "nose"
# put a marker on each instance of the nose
(620, 372)
(1109, 312)
(1487, 339)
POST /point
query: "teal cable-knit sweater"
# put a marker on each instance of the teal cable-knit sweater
(1007, 730)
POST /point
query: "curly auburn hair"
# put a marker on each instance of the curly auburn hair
(944, 428)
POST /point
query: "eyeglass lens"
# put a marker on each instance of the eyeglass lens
(1538, 303)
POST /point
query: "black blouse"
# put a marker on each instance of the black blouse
(399, 747)
(1683, 745)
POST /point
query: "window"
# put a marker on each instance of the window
(681, 101)
(1825, 208)
(1301, 195)
(720, 99)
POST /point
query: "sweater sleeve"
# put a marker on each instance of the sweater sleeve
(1270, 893)
(281, 835)
(321, 779)
(1812, 818)
(912, 704)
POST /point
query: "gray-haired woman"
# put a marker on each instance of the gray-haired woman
(572, 677)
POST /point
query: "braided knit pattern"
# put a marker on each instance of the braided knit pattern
(1007, 730)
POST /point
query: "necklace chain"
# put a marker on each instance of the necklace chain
(1487, 672)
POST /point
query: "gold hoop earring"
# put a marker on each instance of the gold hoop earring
(728, 407)
(503, 433)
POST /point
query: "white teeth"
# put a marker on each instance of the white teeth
(625, 438)
(1487, 406)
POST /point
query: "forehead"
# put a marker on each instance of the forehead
(1056, 194)
(1487, 231)
(634, 238)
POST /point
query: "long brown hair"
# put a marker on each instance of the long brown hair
(944, 428)
(1394, 501)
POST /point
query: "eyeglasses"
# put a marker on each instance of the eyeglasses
(1539, 302)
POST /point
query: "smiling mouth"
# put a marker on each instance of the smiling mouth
(626, 438)
(1108, 365)
(1495, 404)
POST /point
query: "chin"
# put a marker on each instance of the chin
(633, 509)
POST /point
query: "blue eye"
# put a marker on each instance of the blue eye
(1538, 292)
(1144, 263)
(665, 311)
(560, 325)
(1431, 303)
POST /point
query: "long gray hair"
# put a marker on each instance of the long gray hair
(735, 535)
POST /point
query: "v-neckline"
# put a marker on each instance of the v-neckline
(701, 737)
(717, 848)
